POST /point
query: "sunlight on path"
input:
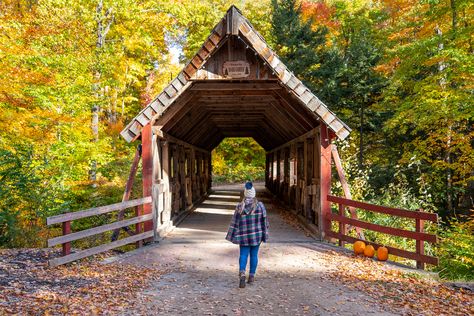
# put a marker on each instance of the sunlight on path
(202, 265)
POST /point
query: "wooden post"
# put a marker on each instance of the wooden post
(325, 182)
(193, 174)
(420, 244)
(67, 245)
(278, 173)
(272, 170)
(267, 168)
(147, 171)
(209, 172)
(157, 203)
(166, 215)
(138, 226)
(309, 180)
(182, 177)
(342, 226)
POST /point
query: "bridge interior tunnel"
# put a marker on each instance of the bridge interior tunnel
(209, 111)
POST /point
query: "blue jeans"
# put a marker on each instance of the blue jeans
(244, 255)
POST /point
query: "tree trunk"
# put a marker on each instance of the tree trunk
(102, 30)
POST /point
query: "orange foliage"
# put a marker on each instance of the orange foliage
(321, 13)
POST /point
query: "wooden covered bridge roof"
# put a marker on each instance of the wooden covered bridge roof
(205, 103)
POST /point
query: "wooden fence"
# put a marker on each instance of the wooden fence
(67, 237)
(419, 235)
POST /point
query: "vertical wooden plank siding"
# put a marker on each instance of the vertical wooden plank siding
(67, 245)
(309, 180)
(147, 171)
(325, 176)
(157, 204)
(165, 163)
(420, 244)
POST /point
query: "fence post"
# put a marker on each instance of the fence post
(67, 245)
(138, 226)
(420, 244)
(342, 226)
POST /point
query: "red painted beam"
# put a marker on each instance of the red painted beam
(384, 229)
(385, 210)
(147, 171)
(325, 180)
(67, 245)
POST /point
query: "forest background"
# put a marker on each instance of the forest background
(400, 73)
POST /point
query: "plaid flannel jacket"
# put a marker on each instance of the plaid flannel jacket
(248, 229)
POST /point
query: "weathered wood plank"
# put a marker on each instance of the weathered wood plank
(95, 250)
(384, 229)
(97, 230)
(142, 119)
(171, 91)
(234, 86)
(420, 245)
(385, 210)
(164, 99)
(96, 211)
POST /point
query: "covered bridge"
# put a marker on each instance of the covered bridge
(236, 86)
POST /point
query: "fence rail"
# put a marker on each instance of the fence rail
(67, 237)
(419, 235)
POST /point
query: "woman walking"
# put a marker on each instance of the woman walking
(248, 228)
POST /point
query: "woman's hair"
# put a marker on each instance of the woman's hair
(242, 206)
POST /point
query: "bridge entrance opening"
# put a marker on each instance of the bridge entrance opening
(236, 160)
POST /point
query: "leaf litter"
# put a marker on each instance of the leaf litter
(28, 286)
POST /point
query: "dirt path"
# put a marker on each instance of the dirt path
(292, 276)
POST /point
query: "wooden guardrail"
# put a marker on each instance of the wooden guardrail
(419, 235)
(67, 237)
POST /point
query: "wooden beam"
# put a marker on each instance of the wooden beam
(147, 171)
(325, 179)
(297, 110)
(167, 137)
(296, 139)
(384, 229)
(96, 211)
(384, 210)
(95, 250)
(97, 230)
(234, 86)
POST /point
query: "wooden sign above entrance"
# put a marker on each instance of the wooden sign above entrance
(236, 69)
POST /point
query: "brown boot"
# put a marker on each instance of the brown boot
(241, 280)
(251, 279)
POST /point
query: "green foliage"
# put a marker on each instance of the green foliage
(300, 47)
(237, 160)
(456, 249)
(399, 73)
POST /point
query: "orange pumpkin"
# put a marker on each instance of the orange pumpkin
(359, 247)
(369, 251)
(382, 253)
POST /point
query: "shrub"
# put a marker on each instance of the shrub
(456, 249)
